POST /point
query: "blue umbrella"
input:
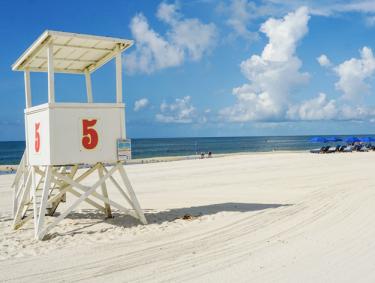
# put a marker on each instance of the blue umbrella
(333, 139)
(367, 139)
(318, 139)
(352, 139)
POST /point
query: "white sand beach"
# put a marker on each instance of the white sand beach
(272, 217)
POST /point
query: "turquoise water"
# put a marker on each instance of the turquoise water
(11, 152)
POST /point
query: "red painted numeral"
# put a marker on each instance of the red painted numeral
(90, 137)
(37, 137)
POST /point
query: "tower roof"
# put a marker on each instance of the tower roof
(72, 52)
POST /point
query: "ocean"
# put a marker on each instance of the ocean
(11, 151)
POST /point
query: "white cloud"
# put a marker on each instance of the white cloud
(365, 6)
(359, 113)
(284, 35)
(321, 108)
(323, 60)
(140, 104)
(240, 13)
(318, 108)
(354, 73)
(273, 75)
(180, 111)
(185, 39)
(370, 21)
(324, 7)
(168, 13)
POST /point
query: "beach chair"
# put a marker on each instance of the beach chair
(363, 149)
(348, 148)
(317, 150)
(331, 149)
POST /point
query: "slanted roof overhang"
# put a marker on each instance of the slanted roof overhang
(72, 53)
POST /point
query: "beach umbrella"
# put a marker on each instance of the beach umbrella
(352, 139)
(318, 139)
(333, 139)
(367, 139)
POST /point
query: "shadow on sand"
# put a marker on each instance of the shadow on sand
(158, 217)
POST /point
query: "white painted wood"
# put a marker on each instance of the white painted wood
(88, 87)
(61, 133)
(118, 78)
(57, 70)
(21, 203)
(67, 59)
(89, 201)
(44, 199)
(108, 212)
(132, 195)
(64, 188)
(78, 201)
(17, 185)
(27, 88)
(20, 171)
(22, 221)
(51, 74)
(68, 42)
(120, 189)
(34, 197)
(114, 204)
(66, 183)
(81, 47)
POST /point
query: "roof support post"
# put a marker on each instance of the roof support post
(88, 86)
(51, 74)
(27, 88)
(118, 77)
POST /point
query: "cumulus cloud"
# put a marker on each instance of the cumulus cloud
(185, 39)
(324, 7)
(180, 111)
(358, 112)
(318, 108)
(321, 108)
(323, 61)
(140, 104)
(240, 13)
(370, 21)
(272, 75)
(354, 73)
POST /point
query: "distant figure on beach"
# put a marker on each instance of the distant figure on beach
(202, 155)
(209, 154)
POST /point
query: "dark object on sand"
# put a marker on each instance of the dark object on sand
(188, 217)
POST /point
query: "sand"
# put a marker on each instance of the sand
(279, 217)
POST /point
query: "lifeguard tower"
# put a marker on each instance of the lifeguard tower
(61, 137)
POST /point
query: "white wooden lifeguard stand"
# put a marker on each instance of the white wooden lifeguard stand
(62, 136)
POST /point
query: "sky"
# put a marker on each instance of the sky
(209, 68)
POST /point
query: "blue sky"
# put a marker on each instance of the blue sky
(210, 68)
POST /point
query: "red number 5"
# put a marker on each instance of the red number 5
(90, 137)
(37, 137)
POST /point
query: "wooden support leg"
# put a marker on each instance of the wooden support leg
(22, 201)
(88, 191)
(108, 212)
(34, 196)
(133, 198)
(117, 185)
(43, 202)
(16, 184)
(46, 176)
